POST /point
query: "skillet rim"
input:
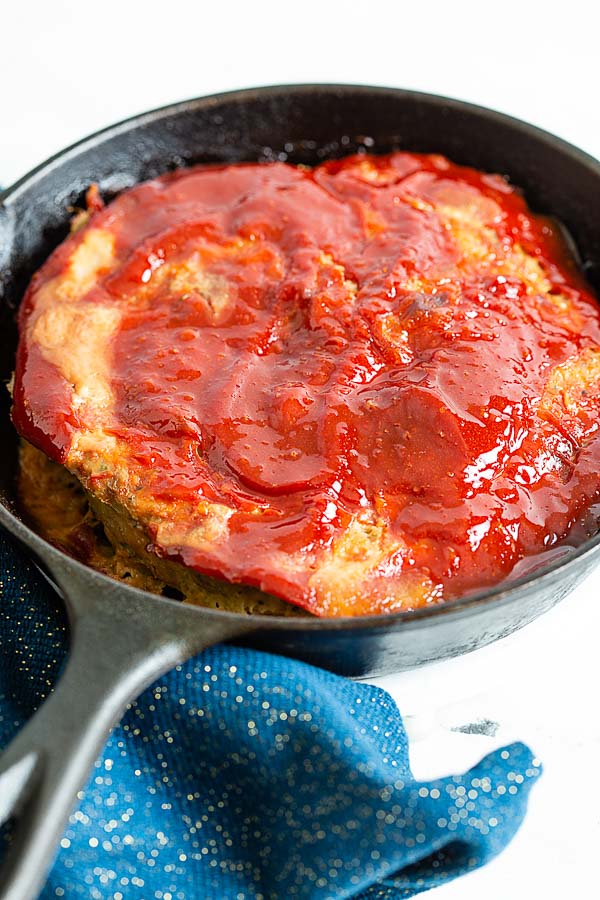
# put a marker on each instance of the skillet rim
(243, 94)
(501, 594)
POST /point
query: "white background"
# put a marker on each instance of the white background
(68, 68)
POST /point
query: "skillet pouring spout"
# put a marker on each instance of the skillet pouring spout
(119, 645)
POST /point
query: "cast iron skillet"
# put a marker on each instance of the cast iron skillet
(123, 638)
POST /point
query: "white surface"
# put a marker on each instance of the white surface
(68, 68)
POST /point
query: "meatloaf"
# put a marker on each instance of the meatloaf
(359, 388)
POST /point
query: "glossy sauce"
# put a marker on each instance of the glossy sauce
(339, 354)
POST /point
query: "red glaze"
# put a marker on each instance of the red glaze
(292, 399)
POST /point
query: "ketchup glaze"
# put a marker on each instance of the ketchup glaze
(388, 340)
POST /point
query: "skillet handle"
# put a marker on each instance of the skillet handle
(119, 645)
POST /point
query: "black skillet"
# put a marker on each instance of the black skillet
(122, 638)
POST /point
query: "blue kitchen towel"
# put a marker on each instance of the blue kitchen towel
(247, 776)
